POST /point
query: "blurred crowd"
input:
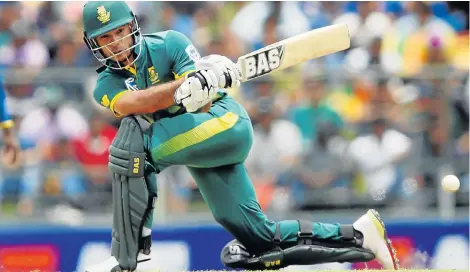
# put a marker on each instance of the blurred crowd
(378, 124)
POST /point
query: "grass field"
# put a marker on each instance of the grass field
(335, 270)
(331, 270)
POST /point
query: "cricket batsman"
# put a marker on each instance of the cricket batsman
(194, 122)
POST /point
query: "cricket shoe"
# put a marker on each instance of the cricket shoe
(112, 265)
(376, 240)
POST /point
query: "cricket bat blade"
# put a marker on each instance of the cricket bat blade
(294, 50)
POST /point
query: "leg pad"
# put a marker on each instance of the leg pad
(131, 198)
(308, 250)
(235, 255)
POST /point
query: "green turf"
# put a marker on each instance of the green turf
(331, 270)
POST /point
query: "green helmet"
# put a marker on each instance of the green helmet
(100, 17)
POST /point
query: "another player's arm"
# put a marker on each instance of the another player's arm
(182, 55)
(6, 123)
(10, 142)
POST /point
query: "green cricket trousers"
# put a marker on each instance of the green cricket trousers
(214, 146)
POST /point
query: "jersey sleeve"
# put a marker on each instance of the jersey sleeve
(5, 118)
(182, 53)
(108, 89)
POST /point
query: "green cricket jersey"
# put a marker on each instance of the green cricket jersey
(165, 56)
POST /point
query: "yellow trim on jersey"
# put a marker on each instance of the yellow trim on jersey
(113, 101)
(196, 135)
(7, 124)
(183, 74)
(131, 69)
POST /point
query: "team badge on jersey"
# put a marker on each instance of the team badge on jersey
(131, 85)
(105, 101)
(192, 52)
(103, 15)
(153, 76)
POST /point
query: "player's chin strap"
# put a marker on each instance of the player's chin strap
(308, 251)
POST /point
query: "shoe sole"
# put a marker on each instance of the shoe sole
(138, 261)
(143, 260)
(380, 226)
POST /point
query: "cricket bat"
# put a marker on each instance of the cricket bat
(294, 50)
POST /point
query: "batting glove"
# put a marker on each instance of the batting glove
(226, 72)
(198, 89)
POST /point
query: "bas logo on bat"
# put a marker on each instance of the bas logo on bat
(263, 62)
(297, 49)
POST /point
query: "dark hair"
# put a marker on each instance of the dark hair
(380, 121)
(422, 7)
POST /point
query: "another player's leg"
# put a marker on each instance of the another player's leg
(262, 243)
(134, 193)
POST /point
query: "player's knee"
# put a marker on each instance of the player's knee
(256, 237)
(231, 223)
(225, 220)
(240, 139)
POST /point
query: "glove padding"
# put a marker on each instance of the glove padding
(198, 89)
(227, 73)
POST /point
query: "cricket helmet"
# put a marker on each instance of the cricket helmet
(100, 17)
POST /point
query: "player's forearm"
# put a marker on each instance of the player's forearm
(160, 97)
(8, 132)
(152, 99)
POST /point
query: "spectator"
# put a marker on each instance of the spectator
(417, 29)
(9, 13)
(91, 154)
(370, 60)
(248, 23)
(175, 21)
(320, 14)
(91, 150)
(276, 148)
(421, 16)
(20, 184)
(365, 23)
(52, 121)
(179, 187)
(376, 155)
(27, 49)
(64, 186)
(63, 176)
(67, 55)
(321, 168)
(312, 111)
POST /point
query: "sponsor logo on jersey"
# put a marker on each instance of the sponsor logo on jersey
(263, 62)
(131, 85)
(103, 15)
(192, 52)
(153, 76)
